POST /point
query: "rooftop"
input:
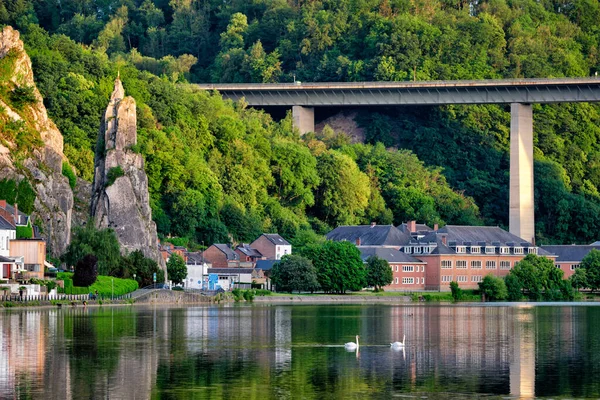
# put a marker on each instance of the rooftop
(370, 235)
(389, 254)
(276, 239)
(569, 253)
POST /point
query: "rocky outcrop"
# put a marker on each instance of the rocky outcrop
(344, 121)
(120, 198)
(43, 165)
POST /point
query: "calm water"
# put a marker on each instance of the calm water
(278, 352)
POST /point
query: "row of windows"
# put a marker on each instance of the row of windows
(461, 264)
(409, 268)
(409, 281)
(461, 278)
(492, 250)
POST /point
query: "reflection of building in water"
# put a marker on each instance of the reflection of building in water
(283, 339)
(22, 351)
(522, 350)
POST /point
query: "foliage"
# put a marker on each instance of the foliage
(20, 193)
(456, 291)
(294, 273)
(514, 287)
(101, 243)
(22, 96)
(176, 269)
(68, 172)
(105, 285)
(339, 266)
(24, 232)
(493, 287)
(591, 263)
(541, 280)
(579, 279)
(113, 174)
(86, 271)
(143, 268)
(379, 273)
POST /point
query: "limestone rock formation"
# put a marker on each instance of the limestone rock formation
(43, 165)
(120, 198)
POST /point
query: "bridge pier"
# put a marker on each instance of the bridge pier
(521, 213)
(304, 118)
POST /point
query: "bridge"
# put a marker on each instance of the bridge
(519, 93)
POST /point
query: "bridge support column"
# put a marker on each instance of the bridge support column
(521, 215)
(304, 119)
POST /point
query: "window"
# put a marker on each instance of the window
(490, 265)
(446, 264)
(397, 268)
(532, 250)
(461, 264)
(422, 268)
(408, 268)
(417, 249)
(504, 264)
(475, 249)
(423, 281)
(461, 249)
(396, 281)
(408, 281)
(574, 266)
(476, 264)
(518, 250)
(461, 278)
(490, 249)
(406, 250)
(446, 278)
(504, 250)
(475, 278)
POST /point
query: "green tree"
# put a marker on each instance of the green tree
(493, 287)
(591, 263)
(86, 271)
(379, 273)
(294, 273)
(541, 279)
(176, 269)
(457, 292)
(514, 287)
(579, 279)
(102, 244)
(143, 268)
(339, 266)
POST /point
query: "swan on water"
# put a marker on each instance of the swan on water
(398, 345)
(352, 345)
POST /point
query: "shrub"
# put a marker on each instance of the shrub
(249, 295)
(237, 294)
(493, 288)
(113, 174)
(456, 291)
(68, 172)
(22, 96)
(86, 271)
(24, 232)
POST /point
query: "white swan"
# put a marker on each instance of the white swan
(398, 345)
(352, 345)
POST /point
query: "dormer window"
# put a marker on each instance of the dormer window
(532, 250)
(407, 250)
(461, 249)
(417, 249)
(475, 249)
(518, 250)
(490, 249)
(504, 250)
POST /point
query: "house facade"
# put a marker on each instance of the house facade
(569, 257)
(33, 252)
(221, 256)
(8, 232)
(407, 271)
(272, 246)
(196, 271)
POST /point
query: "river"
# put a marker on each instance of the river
(241, 351)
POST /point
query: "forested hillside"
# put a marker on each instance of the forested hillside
(216, 167)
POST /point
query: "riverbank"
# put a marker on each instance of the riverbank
(328, 298)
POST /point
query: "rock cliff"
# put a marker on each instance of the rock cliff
(41, 163)
(120, 198)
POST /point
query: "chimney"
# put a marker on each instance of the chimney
(444, 240)
(412, 226)
(373, 224)
(3, 204)
(436, 227)
(358, 241)
(16, 214)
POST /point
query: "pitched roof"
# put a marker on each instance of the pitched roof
(276, 239)
(194, 258)
(6, 260)
(5, 225)
(419, 228)
(266, 265)
(249, 251)
(388, 254)
(474, 234)
(597, 243)
(370, 235)
(230, 254)
(569, 253)
(22, 216)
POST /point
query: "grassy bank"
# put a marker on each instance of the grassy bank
(105, 285)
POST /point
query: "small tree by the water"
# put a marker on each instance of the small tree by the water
(86, 271)
(457, 292)
(176, 269)
(379, 273)
(294, 273)
(541, 280)
(591, 263)
(493, 288)
(579, 279)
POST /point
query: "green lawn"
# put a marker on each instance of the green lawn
(104, 285)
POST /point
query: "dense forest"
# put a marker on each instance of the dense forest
(220, 171)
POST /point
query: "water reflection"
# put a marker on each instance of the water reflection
(297, 352)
